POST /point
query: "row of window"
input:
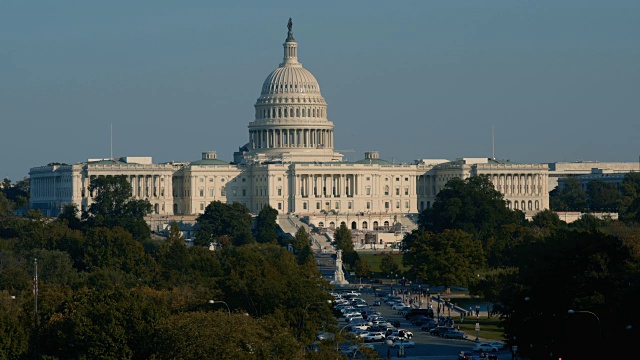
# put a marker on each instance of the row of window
(354, 225)
(273, 113)
(350, 205)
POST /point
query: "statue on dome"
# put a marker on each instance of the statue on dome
(290, 24)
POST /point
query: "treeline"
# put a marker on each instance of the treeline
(600, 196)
(107, 290)
(549, 281)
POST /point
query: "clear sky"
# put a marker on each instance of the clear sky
(558, 80)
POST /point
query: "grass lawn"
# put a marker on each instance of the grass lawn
(374, 262)
(489, 328)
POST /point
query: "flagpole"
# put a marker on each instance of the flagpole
(35, 307)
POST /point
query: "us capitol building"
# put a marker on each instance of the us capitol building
(290, 163)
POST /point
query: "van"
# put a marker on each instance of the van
(417, 312)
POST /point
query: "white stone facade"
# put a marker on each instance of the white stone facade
(290, 164)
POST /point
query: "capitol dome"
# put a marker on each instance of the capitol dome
(290, 79)
(291, 114)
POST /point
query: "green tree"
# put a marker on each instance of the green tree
(388, 265)
(452, 257)
(472, 205)
(71, 215)
(266, 225)
(241, 337)
(113, 207)
(603, 196)
(6, 206)
(362, 268)
(301, 246)
(116, 249)
(571, 197)
(218, 220)
(343, 239)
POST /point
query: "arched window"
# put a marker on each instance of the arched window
(515, 205)
(364, 225)
(386, 224)
(304, 112)
(523, 206)
(386, 189)
(298, 112)
(342, 223)
(332, 225)
(508, 204)
(375, 225)
(156, 208)
(428, 204)
(321, 224)
(537, 205)
(354, 225)
(530, 205)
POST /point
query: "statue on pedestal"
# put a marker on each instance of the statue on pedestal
(338, 277)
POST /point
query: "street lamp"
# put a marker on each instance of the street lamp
(571, 312)
(218, 302)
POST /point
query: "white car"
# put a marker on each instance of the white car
(373, 336)
(498, 344)
(401, 342)
(400, 305)
(485, 347)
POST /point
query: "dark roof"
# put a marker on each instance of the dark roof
(209, 162)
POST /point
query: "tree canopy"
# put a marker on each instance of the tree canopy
(224, 220)
(472, 205)
(113, 206)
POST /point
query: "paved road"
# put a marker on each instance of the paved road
(427, 346)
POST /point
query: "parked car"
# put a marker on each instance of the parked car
(455, 335)
(376, 303)
(402, 333)
(399, 306)
(484, 347)
(440, 330)
(498, 344)
(428, 326)
(402, 342)
(417, 312)
(421, 320)
(466, 355)
(373, 336)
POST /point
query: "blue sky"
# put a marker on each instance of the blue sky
(558, 80)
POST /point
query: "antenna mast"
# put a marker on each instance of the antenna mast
(493, 145)
(111, 142)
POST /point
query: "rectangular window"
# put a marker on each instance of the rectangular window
(368, 205)
(279, 191)
(318, 206)
(397, 179)
(304, 205)
(201, 179)
(279, 206)
(337, 205)
(386, 205)
(397, 191)
(201, 192)
(406, 191)
(349, 205)
(368, 191)
(201, 206)
(406, 204)
(368, 178)
(244, 191)
(235, 192)
(223, 191)
(406, 179)
(397, 204)
(210, 179)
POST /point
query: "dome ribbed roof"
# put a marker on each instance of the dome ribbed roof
(290, 79)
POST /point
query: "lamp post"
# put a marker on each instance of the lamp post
(218, 302)
(572, 312)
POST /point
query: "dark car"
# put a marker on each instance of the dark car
(455, 335)
(440, 330)
(428, 326)
(376, 303)
(419, 312)
(421, 320)
(466, 355)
